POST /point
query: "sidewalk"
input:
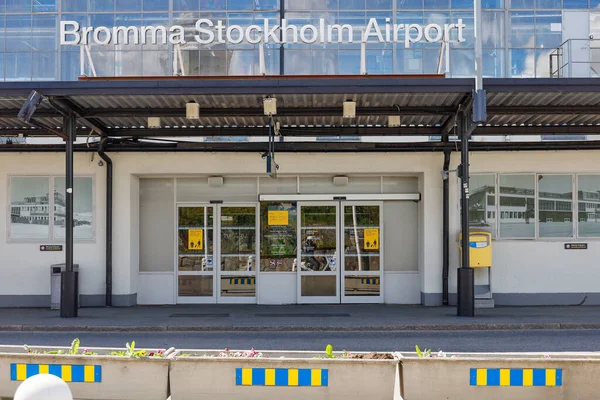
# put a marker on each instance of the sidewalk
(298, 318)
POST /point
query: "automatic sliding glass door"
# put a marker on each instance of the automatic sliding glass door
(238, 244)
(318, 253)
(196, 254)
(363, 253)
(340, 252)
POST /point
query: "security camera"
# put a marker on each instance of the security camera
(100, 163)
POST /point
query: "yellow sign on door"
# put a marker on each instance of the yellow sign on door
(278, 218)
(195, 239)
(371, 239)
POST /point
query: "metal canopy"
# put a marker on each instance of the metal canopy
(307, 106)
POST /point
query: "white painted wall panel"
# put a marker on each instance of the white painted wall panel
(277, 288)
(156, 288)
(25, 270)
(402, 288)
(532, 266)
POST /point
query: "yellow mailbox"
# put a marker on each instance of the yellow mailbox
(480, 249)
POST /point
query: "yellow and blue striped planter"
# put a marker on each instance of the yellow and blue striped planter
(68, 373)
(242, 281)
(281, 377)
(370, 281)
(516, 377)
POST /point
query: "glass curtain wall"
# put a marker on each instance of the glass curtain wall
(518, 35)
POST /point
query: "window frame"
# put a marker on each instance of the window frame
(574, 205)
(535, 197)
(576, 210)
(573, 215)
(51, 239)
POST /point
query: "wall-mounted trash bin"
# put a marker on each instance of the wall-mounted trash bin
(480, 249)
(55, 282)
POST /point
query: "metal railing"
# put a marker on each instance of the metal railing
(576, 58)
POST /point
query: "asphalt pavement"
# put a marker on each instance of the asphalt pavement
(450, 341)
(349, 318)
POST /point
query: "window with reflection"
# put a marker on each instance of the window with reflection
(409, 4)
(517, 206)
(492, 29)
(548, 29)
(45, 5)
(18, 33)
(156, 5)
(555, 194)
(522, 63)
(102, 5)
(30, 208)
(318, 238)
(128, 5)
(278, 236)
(482, 203)
(18, 66)
(588, 195)
(362, 239)
(44, 66)
(534, 28)
(380, 62)
(15, 6)
(522, 29)
(83, 211)
(238, 239)
(195, 244)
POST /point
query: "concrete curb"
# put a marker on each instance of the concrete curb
(297, 328)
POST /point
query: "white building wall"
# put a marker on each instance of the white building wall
(524, 272)
(25, 270)
(426, 166)
(533, 272)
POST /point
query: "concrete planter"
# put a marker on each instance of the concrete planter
(285, 375)
(515, 376)
(99, 377)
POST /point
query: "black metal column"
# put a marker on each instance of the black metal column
(109, 213)
(282, 38)
(69, 278)
(466, 278)
(446, 229)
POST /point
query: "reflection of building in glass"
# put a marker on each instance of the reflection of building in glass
(517, 38)
(36, 210)
(589, 206)
(518, 206)
(482, 206)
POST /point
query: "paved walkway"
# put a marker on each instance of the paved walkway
(298, 318)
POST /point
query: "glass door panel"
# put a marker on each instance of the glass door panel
(362, 256)
(196, 254)
(279, 236)
(318, 253)
(237, 254)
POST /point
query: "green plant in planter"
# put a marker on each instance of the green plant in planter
(427, 354)
(329, 351)
(423, 354)
(131, 352)
(73, 350)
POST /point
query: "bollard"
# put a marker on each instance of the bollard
(43, 387)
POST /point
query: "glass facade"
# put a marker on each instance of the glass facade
(518, 36)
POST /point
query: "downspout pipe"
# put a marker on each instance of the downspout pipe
(446, 229)
(109, 211)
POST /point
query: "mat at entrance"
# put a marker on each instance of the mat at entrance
(199, 315)
(302, 315)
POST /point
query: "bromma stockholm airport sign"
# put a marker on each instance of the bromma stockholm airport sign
(209, 32)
